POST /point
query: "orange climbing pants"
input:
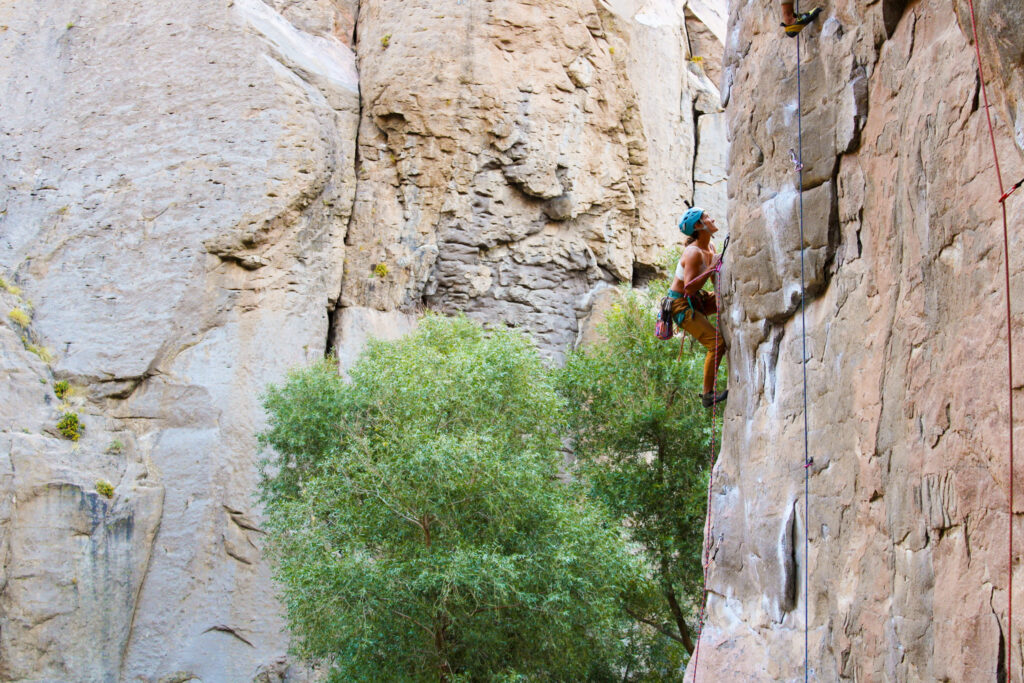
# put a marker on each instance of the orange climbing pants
(701, 328)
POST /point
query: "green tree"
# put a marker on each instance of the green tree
(419, 526)
(641, 441)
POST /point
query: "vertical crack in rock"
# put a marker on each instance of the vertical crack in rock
(331, 340)
(1000, 666)
(135, 603)
(334, 311)
(789, 573)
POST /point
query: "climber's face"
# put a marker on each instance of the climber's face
(708, 224)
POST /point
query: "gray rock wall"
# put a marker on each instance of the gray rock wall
(178, 182)
(906, 352)
(198, 196)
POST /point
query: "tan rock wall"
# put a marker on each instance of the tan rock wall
(499, 149)
(906, 355)
(539, 152)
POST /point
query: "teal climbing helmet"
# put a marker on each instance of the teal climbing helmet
(688, 223)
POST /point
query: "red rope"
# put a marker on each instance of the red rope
(1009, 334)
(706, 560)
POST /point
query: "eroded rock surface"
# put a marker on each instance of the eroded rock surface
(907, 521)
(535, 153)
(178, 181)
(196, 198)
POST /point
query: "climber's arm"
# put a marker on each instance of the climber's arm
(693, 277)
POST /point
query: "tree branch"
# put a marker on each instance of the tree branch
(479, 610)
(663, 630)
(408, 618)
(677, 613)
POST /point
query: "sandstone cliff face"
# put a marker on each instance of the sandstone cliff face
(197, 198)
(906, 351)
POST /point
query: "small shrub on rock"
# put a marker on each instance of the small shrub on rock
(9, 288)
(70, 426)
(44, 353)
(105, 488)
(61, 389)
(19, 317)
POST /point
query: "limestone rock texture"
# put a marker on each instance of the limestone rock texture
(907, 519)
(534, 153)
(198, 196)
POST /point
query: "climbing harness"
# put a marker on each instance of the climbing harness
(1009, 334)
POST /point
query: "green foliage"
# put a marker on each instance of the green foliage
(385, 41)
(115, 447)
(641, 439)
(19, 317)
(105, 488)
(70, 426)
(418, 523)
(380, 270)
(61, 389)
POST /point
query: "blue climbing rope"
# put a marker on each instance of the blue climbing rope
(803, 342)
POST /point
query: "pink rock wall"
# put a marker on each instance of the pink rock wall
(907, 517)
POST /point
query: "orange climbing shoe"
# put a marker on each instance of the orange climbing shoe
(802, 20)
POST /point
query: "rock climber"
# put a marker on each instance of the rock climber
(691, 306)
(793, 23)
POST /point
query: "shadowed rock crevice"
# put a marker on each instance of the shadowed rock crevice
(1001, 653)
(221, 628)
(892, 12)
(790, 564)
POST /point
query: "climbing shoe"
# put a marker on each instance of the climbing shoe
(711, 398)
(802, 20)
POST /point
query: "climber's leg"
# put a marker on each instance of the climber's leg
(701, 328)
(794, 23)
